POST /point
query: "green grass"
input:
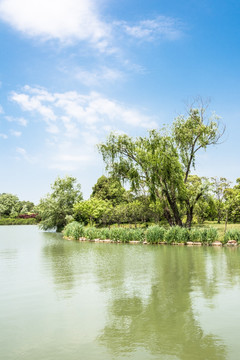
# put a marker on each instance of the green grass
(16, 221)
(220, 227)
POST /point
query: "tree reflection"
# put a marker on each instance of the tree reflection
(164, 325)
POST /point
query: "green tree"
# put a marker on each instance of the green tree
(92, 210)
(27, 205)
(55, 207)
(8, 203)
(232, 203)
(219, 187)
(162, 161)
(109, 188)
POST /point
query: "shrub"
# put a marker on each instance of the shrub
(155, 234)
(91, 233)
(74, 229)
(17, 221)
(173, 234)
(195, 235)
(233, 234)
(209, 235)
(212, 235)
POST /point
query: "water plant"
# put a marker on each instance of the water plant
(74, 230)
(174, 234)
(155, 234)
(232, 234)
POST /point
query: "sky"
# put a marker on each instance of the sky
(71, 71)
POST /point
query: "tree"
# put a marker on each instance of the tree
(8, 203)
(109, 188)
(232, 203)
(54, 208)
(162, 161)
(92, 210)
(219, 187)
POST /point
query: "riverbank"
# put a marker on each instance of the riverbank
(152, 235)
(135, 242)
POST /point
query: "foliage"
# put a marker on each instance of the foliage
(8, 203)
(176, 234)
(109, 189)
(74, 229)
(232, 234)
(91, 233)
(54, 208)
(27, 216)
(208, 235)
(92, 210)
(195, 235)
(17, 221)
(162, 162)
(155, 234)
(219, 187)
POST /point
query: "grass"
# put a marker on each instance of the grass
(220, 227)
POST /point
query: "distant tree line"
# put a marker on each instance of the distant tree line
(11, 206)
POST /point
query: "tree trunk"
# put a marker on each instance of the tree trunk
(189, 217)
(226, 221)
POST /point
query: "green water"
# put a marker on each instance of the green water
(66, 300)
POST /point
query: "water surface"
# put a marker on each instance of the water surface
(70, 300)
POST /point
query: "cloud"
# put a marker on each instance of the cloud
(1, 110)
(71, 21)
(71, 108)
(15, 133)
(95, 78)
(24, 155)
(76, 122)
(3, 136)
(21, 121)
(151, 29)
(64, 20)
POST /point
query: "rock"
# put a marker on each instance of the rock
(198, 243)
(189, 243)
(232, 243)
(217, 243)
(134, 242)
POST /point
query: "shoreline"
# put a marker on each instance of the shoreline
(230, 243)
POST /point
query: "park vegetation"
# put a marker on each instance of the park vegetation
(151, 182)
(16, 212)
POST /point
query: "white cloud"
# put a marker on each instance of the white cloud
(1, 108)
(15, 133)
(93, 78)
(24, 155)
(3, 136)
(21, 121)
(73, 108)
(150, 29)
(65, 20)
(75, 123)
(21, 151)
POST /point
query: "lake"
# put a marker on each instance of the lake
(63, 300)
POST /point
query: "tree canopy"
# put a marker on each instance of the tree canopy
(163, 160)
(109, 188)
(55, 207)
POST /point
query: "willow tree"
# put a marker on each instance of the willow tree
(55, 207)
(162, 162)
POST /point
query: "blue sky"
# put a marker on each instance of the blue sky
(73, 70)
